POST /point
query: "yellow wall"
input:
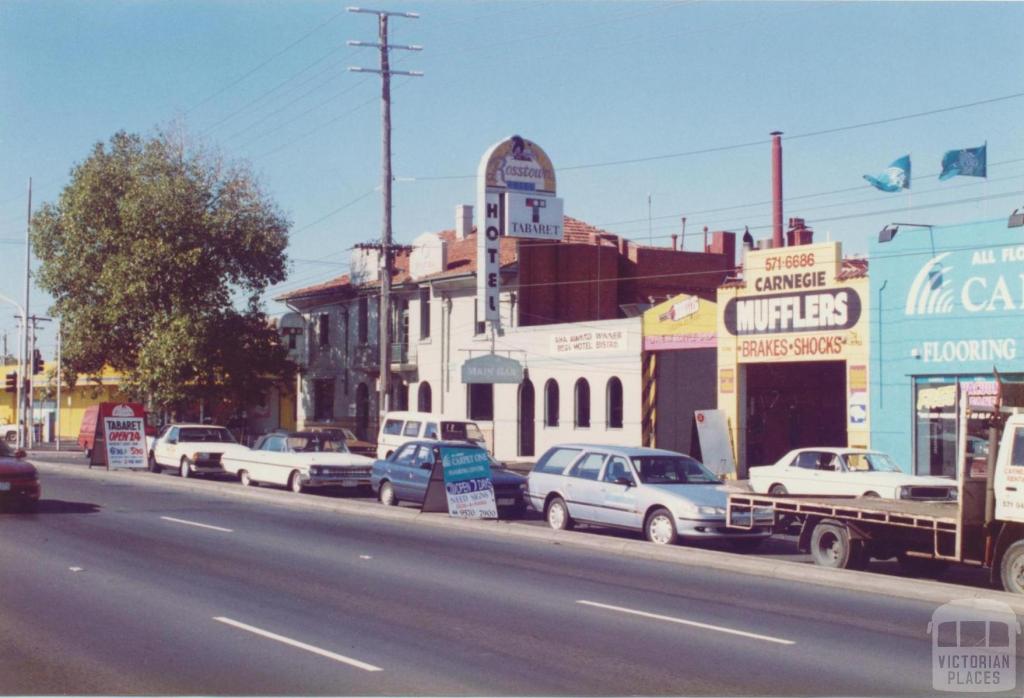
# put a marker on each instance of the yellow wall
(783, 273)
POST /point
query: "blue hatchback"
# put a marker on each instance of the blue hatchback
(404, 476)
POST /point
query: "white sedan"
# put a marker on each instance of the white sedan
(300, 460)
(846, 472)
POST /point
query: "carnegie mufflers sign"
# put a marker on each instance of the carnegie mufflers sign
(784, 313)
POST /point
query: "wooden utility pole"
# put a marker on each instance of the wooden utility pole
(25, 377)
(385, 72)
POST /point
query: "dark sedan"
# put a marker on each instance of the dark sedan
(19, 480)
(404, 476)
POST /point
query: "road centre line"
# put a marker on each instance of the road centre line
(693, 623)
(301, 645)
(199, 525)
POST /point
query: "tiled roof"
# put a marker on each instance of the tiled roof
(335, 284)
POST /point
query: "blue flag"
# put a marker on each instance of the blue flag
(895, 177)
(969, 162)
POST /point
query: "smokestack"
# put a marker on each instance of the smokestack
(777, 240)
(463, 221)
(675, 241)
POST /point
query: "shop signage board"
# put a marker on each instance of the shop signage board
(592, 341)
(125, 439)
(468, 484)
(514, 172)
(681, 322)
(491, 368)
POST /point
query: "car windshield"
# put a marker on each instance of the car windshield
(315, 443)
(871, 462)
(672, 470)
(461, 431)
(207, 434)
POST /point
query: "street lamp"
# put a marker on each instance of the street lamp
(889, 232)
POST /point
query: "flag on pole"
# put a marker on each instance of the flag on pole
(969, 162)
(895, 177)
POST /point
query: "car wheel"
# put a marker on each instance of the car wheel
(557, 515)
(831, 546)
(295, 482)
(1011, 569)
(778, 491)
(661, 528)
(387, 494)
(870, 495)
(243, 477)
(153, 467)
(186, 468)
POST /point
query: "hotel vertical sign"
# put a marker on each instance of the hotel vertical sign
(515, 198)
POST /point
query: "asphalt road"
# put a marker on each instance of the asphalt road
(116, 588)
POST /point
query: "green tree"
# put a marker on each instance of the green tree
(157, 253)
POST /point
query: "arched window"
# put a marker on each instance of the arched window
(551, 403)
(582, 403)
(424, 398)
(614, 403)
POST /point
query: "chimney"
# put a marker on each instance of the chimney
(777, 189)
(675, 241)
(799, 233)
(463, 221)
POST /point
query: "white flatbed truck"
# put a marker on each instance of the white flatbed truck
(983, 528)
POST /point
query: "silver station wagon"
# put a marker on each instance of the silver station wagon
(667, 495)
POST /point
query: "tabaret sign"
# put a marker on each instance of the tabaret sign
(516, 198)
(126, 439)
(794, 307)
(491, 368)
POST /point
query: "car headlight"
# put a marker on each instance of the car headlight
(315, 470)
(904, 492)
(953, 494)
(711, 511)
(522, 486)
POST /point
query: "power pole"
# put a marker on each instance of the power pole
(59, 378)
(385, 72)
(26, 379)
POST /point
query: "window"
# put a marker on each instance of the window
(582, 403)
(551, 403)
(293, 340)
(480, 401)
(424, 398)
(424, 312)
(617, 468)
(430, 431)
(344, 329)
(614, 403)
(364, 320)
(323, 400)
(556, 460)
(324, 330)
(812, 460)
(588, 467)
(392, 427)
(411, 429)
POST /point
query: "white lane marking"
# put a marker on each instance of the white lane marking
(75, 569)
(301, 645)
(365, 557)
(693, 623)
(194, 523)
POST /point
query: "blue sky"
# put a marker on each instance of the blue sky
(591, 82)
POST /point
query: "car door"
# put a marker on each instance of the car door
(271, 463)
(166, 447)
(802, 473)
(401, 469)
(583, 488)
(618, 501)
(419, 476)
(834, 479)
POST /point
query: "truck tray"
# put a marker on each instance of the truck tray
(937, 516)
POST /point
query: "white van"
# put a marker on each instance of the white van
(399, 427)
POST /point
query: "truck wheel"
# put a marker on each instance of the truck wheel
(831, 546)
(185, 470)
(1011, 569)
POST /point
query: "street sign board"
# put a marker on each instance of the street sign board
(468, 483)
(491, 368)
(533, 216)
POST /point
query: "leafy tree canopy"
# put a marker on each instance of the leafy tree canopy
(156, 254)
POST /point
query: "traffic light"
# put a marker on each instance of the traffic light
(12, 382)
(37, 362)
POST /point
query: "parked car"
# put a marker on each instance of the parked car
(9, 432)
(846, 472)
(404, 476)
(667, 495)
(19, 480)
(398, 428)
(347, 436)
(192, 449)
(299, 460)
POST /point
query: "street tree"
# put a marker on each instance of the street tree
(157, 254)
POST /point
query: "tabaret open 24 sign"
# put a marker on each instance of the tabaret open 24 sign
(126, 439)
